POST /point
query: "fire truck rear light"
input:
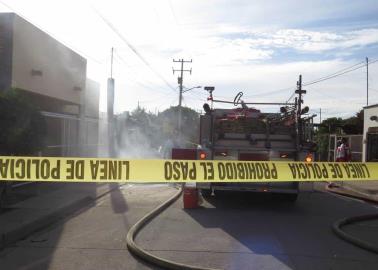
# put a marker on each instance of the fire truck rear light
(308, 158)
(202, 155)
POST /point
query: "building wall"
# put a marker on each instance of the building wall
(368, 112)
(6, 39)
(42, 65)
(52, 77)
(92, 99)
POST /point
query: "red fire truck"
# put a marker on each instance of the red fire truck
(245, 133)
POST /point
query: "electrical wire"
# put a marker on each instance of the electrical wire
(173, 12)
(334, 75)
(335, 72)
(132, 48)
(123, 61)
(290, 98)
(270, 92)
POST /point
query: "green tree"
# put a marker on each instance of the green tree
(354, 124)
(331, 125)
(190, 124)
(141, 133)
(23, 128)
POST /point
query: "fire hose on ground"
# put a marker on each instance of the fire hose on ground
(146, 256)
(351, 239)
(337, 226)
(168, 264)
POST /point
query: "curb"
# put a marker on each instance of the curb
(356, 195)
(362, 190)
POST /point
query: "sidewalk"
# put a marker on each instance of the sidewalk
(366, 190)
(23, 217)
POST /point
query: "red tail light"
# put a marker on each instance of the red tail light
(309, 158)
(202, 155)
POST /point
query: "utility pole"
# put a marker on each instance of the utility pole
(180, 81)
(367, 81)
(300, 92)
(110, 109)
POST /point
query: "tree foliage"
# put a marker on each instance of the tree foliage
(23, 128)
(337, 125)
(141, 133)
(354, 124)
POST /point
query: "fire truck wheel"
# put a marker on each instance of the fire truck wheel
(206, 193)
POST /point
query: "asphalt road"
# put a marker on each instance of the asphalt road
(234, 231)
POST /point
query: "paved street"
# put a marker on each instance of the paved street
(229, 232)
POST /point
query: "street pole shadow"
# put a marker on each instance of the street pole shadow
(118, 202)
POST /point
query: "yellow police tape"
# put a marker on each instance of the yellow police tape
(58, 169)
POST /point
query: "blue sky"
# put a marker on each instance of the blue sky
(251, 46)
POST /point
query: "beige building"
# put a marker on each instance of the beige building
(54, 78)
(370, 146)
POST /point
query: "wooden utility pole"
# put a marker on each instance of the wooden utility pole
(180, 81)
(300, 92)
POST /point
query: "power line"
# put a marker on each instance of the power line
(155, 99)
(173, 12)
(132, 48)
(123, 61)
(290, 98)
(270, 92)
(334, 75)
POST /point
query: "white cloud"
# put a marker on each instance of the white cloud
(230, 43)
(313, 41)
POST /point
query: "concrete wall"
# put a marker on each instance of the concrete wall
(53, 77)
(44, 66)
(368, 112)
(6, 37)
